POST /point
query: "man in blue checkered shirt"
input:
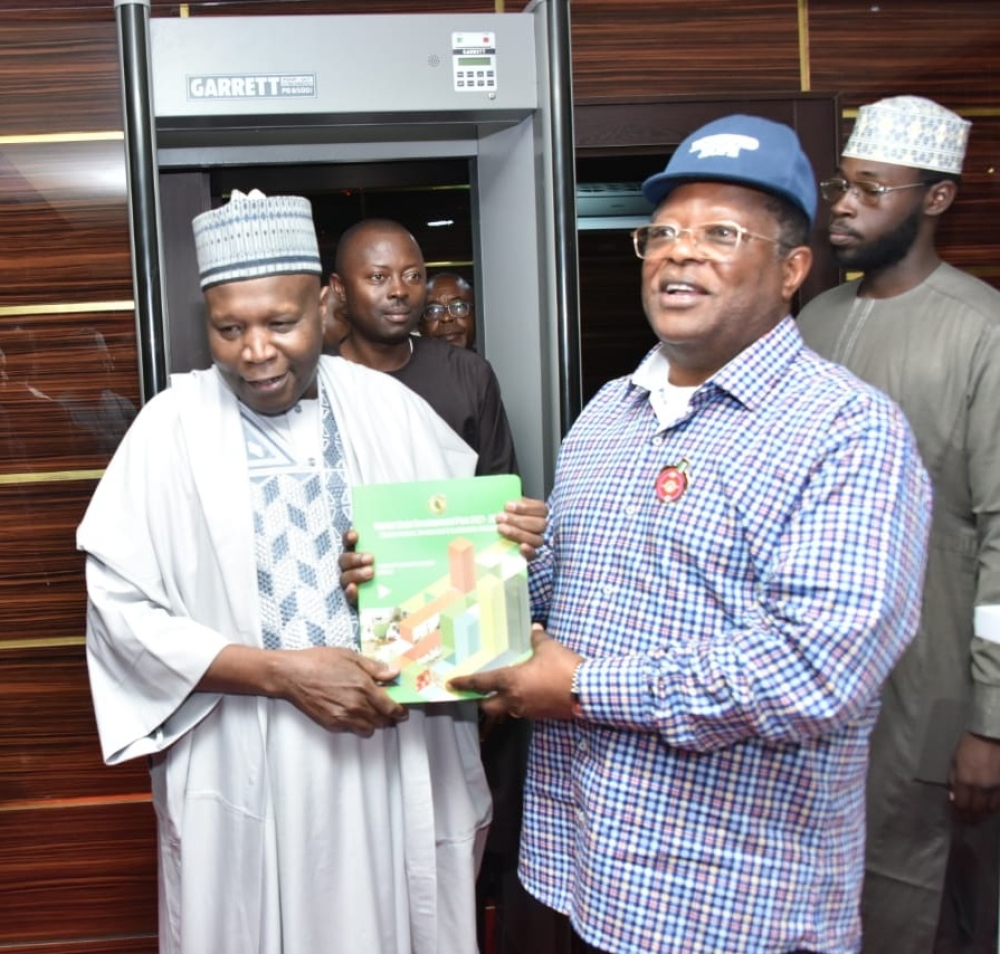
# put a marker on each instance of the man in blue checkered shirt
(733, 564)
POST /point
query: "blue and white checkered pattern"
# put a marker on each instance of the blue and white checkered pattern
(712, 797)
(301, 511)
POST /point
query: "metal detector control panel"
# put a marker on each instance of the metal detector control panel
(474, 62)
(355, 68)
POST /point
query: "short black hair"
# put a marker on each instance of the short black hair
(931, 177)
(793, 223)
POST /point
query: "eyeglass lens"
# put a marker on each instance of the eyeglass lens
(457, 309)
(719, 240)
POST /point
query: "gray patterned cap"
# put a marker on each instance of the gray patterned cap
(910, 131)
(255, 235)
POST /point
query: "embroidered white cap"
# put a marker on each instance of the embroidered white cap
(910, 131)
(254, 235)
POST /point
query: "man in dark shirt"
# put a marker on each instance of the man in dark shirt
(380, 283)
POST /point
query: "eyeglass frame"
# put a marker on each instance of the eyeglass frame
(868, 192)
(742, 232)
(450, 308)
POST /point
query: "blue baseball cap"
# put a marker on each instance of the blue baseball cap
(745, 150)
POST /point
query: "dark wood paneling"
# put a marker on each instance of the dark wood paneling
(61, 74)
(78, 872)
(675, 47)
(69, 390)
(614, 332)
(42, 591)
(65, 228)
(48, 739)
(968, 235)
(865, 51)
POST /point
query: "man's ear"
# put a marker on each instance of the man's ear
(795, 268)
(939, 197)
(337, 286)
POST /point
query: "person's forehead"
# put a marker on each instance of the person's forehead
(377, 244)
(292, 284)
(447, 288)
(887, 172)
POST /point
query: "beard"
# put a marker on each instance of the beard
(882, 252)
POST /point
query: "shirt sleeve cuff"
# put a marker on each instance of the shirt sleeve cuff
(986, 622)
(985, 718)
(613, 691)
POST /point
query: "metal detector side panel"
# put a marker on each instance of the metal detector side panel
(343, 66)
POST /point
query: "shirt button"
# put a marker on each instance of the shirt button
(298, 408)
(631, 510)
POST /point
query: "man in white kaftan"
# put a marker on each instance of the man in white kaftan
(276, 835)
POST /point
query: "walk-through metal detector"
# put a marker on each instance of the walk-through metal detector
(205, 92)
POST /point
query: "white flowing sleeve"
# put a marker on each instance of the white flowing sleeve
(151, 572)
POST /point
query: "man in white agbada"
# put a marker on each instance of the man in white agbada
(300, 810)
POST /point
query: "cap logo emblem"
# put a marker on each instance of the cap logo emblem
(724, 144)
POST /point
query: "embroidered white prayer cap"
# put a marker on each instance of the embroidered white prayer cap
(910, 131)
(254, 235)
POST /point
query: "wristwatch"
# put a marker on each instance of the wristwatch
(574, 692)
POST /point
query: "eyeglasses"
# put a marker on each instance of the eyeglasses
(457, 309)
(718, 241)
(833, 190)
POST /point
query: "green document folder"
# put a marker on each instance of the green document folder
(450, 595)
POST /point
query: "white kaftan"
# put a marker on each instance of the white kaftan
(275, 836)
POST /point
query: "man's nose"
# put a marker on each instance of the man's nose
(684, 248)
(846, 204)
(257, 345)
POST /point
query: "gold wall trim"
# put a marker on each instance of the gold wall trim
(73, 308)
(455, 264)
(48, 642)
(50, 476)
(110, 135)
(805, 78)
(84, 801)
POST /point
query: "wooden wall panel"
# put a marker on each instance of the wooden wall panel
(58, 74)
(865, 51)
(48, 739)
(615, 333)
(647, 48)
(77, 872)
(69, 389)
(68, 241)
(42, 591)
(968, 235)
